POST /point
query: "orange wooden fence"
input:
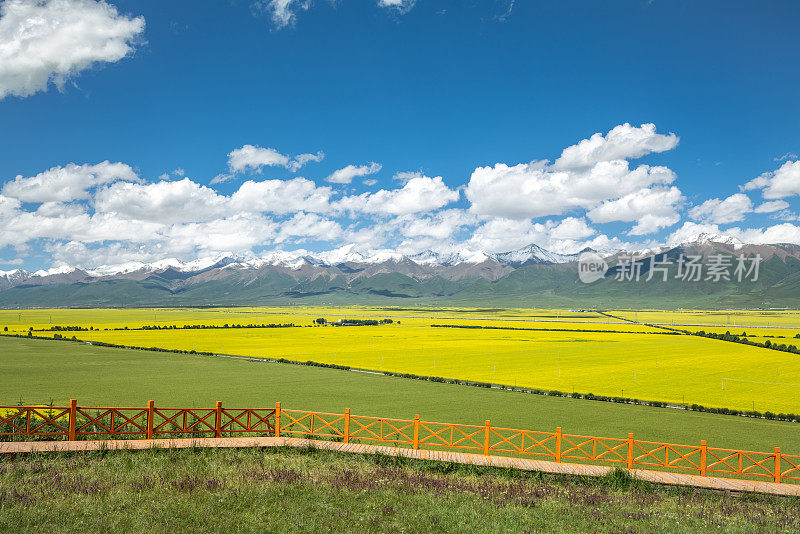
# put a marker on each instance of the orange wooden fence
(73, 422)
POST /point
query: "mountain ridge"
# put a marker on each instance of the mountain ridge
(527, 274)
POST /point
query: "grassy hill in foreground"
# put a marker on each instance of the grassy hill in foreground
(57, 371)
(255, 490)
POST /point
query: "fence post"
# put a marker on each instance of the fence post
(630, 451)
(703, 457)
(151, 412)
(777, 464)
(73, 415)
(416, 433)
(486, 435)
(347, 425)
(218, 421)
(558, 444)
(277, 419)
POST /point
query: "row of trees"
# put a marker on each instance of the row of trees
(353, 322)
(727, 336)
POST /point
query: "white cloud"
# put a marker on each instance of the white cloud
(534, 190)
(281, 196)
(781, 183)
(55, 40)
(283, 12)
(221, 179)
(237, 233)
(345, 175)
(652, 208)
(254, 158)
(716, 211)
(572, 228)
(308, 226)
(420, 194)
(301, 159)
(503, 235)
(623, 142)
(441, 225)
(29, 226)
(772, 206)
(779, 233)
(9, 207)
(71, 182)
(163, 202)
(402, 6)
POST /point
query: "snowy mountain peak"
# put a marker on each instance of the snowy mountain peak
(532, 254)
(62, 269)
(298, 259)
(706, 238)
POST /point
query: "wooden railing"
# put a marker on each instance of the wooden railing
(73, 422)
(79, 422)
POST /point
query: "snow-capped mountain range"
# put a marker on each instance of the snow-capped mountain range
(346, 257)
(351, 264)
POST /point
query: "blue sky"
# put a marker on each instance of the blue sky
(450, 100)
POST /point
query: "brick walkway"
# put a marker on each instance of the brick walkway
(715, 483)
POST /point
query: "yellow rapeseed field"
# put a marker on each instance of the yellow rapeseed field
(644, 364)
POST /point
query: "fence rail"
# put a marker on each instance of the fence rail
(75, 422)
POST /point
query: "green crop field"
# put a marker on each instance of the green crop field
(582, 351)
(45, 371)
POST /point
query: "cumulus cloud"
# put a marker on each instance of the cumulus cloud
(345, 175)
(779, 233)
(620, 143)
(54, 40)
(281, 196)
(535, 190)
(716, 211)
(254, 158)
(163, 202)
(440, 226)
(772, 206)
(308, 226)
(240, 232)
(9, 207)
(29, 226)
(301, 159)
(780, 183)
(652, 208)
(71, 182)
(572, 228)
(419, 194)
(502, 235)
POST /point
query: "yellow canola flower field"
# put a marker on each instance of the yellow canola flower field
(645, 364)
(728, 319)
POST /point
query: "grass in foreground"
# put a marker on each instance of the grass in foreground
(96, 376)
(288, 490)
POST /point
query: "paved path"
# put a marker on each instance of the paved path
(659, 477)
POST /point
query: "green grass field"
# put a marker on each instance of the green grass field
(592, 352)
(39, 371)
(253, 490)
